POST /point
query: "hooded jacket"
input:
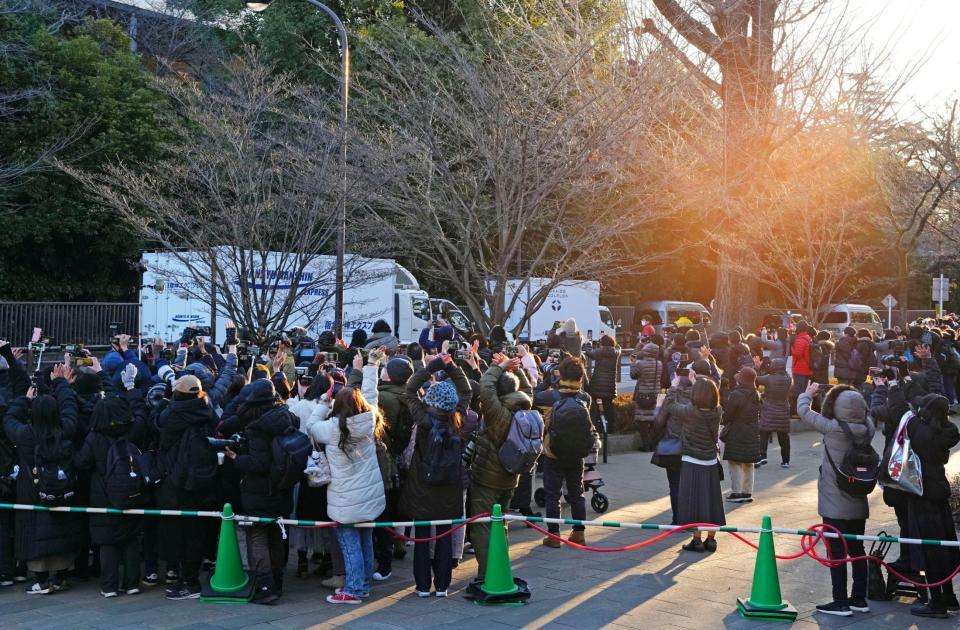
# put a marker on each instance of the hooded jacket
(741, 419)
(775, 403)
(171, 423)
(801, 355)
(932, 435)
(841, 365)
(497, 414)
(41, 534)
(606, 364)
(419, 500)
(845, 404)
(647, 371)
(356, 492)
(257, 495)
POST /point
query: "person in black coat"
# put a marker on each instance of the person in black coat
(932, 435)
(603, 381)
(114, 418)
(46, 541)
(262, 417)
(741, 433)
(191, 481)
(444, 404)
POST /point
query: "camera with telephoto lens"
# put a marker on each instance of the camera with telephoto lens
(459, 350)
(234, 442)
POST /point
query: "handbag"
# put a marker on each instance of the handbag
(901, 469)
(318, 470)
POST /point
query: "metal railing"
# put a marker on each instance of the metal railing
(66, 322)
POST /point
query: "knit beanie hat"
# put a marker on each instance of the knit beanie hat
(260, 391)
(111, 362)
(400, 370)
(442, 395)
(359, 338)
(569, 326)
(87, 382)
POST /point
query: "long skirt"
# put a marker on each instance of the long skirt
(700, 499)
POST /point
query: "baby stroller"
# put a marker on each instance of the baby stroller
(592, 481)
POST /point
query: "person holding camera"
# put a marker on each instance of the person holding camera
(567, 338)
(647, 370)
(260, 419)
(741, 434)
(775, 410)
(603, 381)
(433, 489)
(504, 389)
(842, 421)
(349, 425)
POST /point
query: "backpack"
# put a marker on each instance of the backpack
(816, 357)
(858, 471)
(289, 453)
(196, 466)
(124, 481)
(54, 477)
(855, 362)
(571, 430)
(520, 450)
(442, 460)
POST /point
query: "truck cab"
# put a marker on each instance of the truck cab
(411, 314)
(452, 314)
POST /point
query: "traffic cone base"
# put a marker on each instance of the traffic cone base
(498, 587)
(229, 583)
(765, 600)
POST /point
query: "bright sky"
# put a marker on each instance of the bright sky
(917, 29)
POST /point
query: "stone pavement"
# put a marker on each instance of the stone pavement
(656, 587)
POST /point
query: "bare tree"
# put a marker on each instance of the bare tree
(519, 149)
(918, 176)
(773, 68)
(246, 199)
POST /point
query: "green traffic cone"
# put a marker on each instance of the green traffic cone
(499, 586)
(765, 601)
(498, 578)
(229, 583)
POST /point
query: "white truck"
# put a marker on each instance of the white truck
(177, 290)
(577, 299)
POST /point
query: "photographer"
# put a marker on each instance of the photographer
(438, 331)
(603, 381)
(262, 417)
(567, 338)
(647, 370)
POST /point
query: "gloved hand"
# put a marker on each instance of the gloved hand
(167, 374)
(129, 376)
(376, 356)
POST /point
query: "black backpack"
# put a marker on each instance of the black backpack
(443, 459)
(54, 477)
(858, 471)
(816, 357)
(571, 430)
(125, 481)
(195, 468)
(289, 452)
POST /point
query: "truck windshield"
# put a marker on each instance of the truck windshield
(421, 308)
(607, 319)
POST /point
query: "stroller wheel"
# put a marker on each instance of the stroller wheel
(599, 502)
(540, 497)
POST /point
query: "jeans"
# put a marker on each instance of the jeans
(783, 437)
(482, 500)
(441, 566)
(800, 382)
(112, 557)
(356, 544)
(554, 474)
(673, 478)
(741, 477)
(838, 575)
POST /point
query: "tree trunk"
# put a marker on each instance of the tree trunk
(903, 275)
(736, 294)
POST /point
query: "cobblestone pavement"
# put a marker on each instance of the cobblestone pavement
(657, 587)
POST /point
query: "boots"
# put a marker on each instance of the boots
(266, 593)
(278, 581)
(578, 537)
(302, 565)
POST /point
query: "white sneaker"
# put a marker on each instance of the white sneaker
(380, 577)
(109, 594)
(423, 593)
(441, 593)
(133, 591)
(39, 589)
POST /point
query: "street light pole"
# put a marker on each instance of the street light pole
(344, 108)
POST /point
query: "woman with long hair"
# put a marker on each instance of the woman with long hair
(437, 414)
(40, 426)
(348, 425)
(699, 499)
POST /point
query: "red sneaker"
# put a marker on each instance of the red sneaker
(343, 598)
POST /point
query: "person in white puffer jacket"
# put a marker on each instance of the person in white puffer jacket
(348, 430)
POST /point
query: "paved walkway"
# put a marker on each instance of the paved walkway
(657, 587)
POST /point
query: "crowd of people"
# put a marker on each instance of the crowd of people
(727, 395)
(377, 430)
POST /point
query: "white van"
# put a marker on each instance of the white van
(665, 312)
(835, 317)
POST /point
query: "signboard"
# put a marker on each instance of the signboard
(889, 301)
(941, 289)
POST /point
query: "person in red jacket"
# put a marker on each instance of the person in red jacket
(802, 373)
